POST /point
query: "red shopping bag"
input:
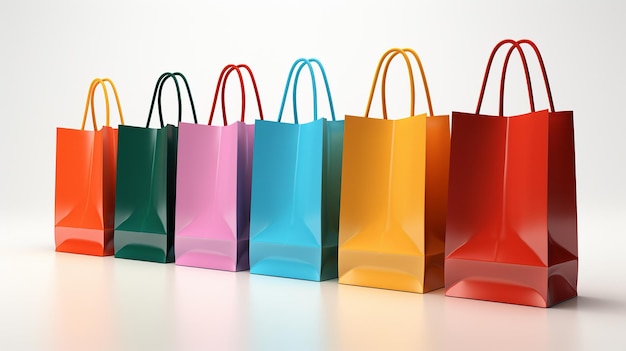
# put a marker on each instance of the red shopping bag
(85, 183)
(511, 231)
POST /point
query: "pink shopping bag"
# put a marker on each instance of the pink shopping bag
(213, 187)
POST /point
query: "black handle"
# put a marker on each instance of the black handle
(159, 86)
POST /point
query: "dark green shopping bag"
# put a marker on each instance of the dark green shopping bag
(146, 185)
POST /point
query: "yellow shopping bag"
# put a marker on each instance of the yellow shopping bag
(394, 194)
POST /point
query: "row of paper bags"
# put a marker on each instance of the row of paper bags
(375, 202)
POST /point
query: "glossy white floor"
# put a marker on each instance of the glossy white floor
(54, 301)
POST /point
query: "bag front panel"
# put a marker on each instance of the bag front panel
(381, 234)
(475, 192)
(523, 237)
(144, 203)
(286, 201)
(141, 196)
(496, 238)
(207, 182)
(498, 189)
(287, 183)
(81, 209)
(206, 199)
(79, 179)
(383, 185)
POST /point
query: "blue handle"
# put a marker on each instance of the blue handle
(300, 63)
(295, 86)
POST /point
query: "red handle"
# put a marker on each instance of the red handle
(222, 82)
(543, 71)
(524, 64)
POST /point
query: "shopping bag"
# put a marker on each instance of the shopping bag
(512, 224)
(213, 187)
(146, 185)
(296, 178)
(394, 194)
(85, 182)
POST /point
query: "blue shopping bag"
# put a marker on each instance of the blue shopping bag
(296, 181)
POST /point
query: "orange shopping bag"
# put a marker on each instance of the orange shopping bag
(85, 182)
(394, 195)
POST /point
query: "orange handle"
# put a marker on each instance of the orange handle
(424, 82)
(117, 101)
(388, 56)
(90, 102)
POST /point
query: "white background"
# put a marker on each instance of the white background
(52, 50)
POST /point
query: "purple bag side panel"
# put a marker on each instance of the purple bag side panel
(244, 189)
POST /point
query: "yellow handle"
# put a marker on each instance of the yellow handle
(117, 101)
(90, 94)
(394, 52)
(424, 82)
(90, 98)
